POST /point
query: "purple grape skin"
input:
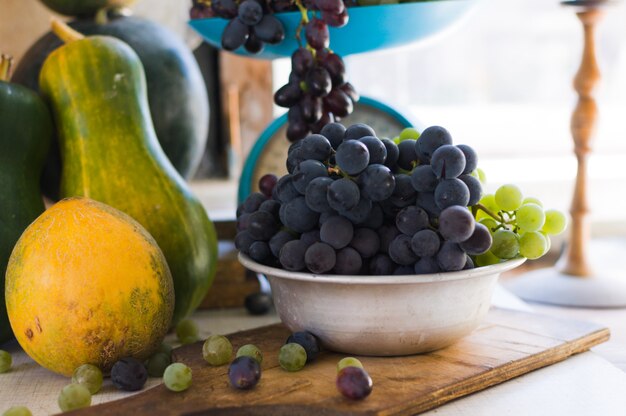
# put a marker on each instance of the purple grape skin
(244, 373)
(308, 341)
(354, 383)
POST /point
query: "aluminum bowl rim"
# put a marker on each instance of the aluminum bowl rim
(381, 280)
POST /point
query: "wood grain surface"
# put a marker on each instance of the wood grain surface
(507, 345)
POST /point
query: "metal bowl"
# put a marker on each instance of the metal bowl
(370, 27)
(383, 315)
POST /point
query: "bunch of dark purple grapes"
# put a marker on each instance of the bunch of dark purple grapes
(355, 204)
(251, 24)
(317, 92)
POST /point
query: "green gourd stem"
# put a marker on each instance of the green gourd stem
(64, 32)
(6, 63)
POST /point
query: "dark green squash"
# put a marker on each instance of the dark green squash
(96, 89)
(83, 7)
(176, 90)
(25, 135)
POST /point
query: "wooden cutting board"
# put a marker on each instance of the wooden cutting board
(507, 345)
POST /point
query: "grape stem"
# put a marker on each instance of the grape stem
(6, 63)
(498, 217)
(303, 21)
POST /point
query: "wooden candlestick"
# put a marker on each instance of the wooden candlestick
(583, 124)
(577, 284)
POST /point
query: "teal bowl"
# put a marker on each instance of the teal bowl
(370, 28)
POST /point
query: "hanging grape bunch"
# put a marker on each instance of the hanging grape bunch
(355, 204)
(317, 92)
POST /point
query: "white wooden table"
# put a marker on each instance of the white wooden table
(587, 384)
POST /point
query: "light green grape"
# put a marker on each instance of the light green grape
(5, 361)
(533, 245)
(251, 351)
(396, 140)
(348, 362)
(489, 202)
(556, 222)
(74, 396)
(177, 377)
(17, 411)
(505, 244)
(89, 376)
(480, 174)
(409, 133)
(217, 350)
(486, 259)
(187, 331)
(490, 223)
(157, 364)
(532, 200)
(530, 217)
(509, 197)
(292, 357)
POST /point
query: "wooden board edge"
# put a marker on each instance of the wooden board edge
(507, 372)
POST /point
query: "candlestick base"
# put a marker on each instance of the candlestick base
(606, 288)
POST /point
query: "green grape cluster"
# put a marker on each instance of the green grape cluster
(519, 226)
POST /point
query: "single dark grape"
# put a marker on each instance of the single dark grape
(392, 153)
(381, 265)
(423, 179)
(318, 81)
(278, 241)
(244, 372)
(259, 251)
(426, 265)
(411, 220)
(253, 202)
(401, 252)
(297, 130)
(243, 241)
(331, 6)
(317, 34)
(285, 191)
(450, 257)
(335, 67)
(253, 44)
(250, 12)
(366, 242)
(301, 61)
(269, 30)
(360, 213)
(320, 258)
(456, 224)
(352, 157)
(311, 237)
(431, 139)
(291, 255)
(243, 221)
(425, 243)
(262, 225)
(234, 35)
(337, 231)
(334, 132)
(297, 216)
(343, 194)
(258, 303)
(351, 91)
(335, 20)
(387, 233)
(354, 383)
(308, 341)
(403, 194)
(451, 192)
(317, 147)
(356, 131)
(129, 374)
(271, 206)
(426, 201)
(306, 171)
(479, 242)
(474, 187)
(447, 162)
(267, 183)
(311, 108)
(471, 158)
(316, 194)
(338, 103)
(288, 95)
(348, 261)
(407, 155)
(377, 181)
(376, 148)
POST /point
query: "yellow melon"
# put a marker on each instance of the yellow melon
(87, 284)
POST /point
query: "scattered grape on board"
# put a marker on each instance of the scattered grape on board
(355, 204)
